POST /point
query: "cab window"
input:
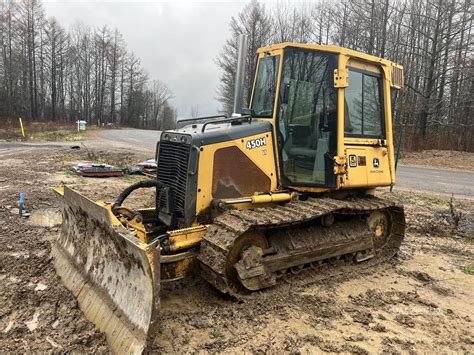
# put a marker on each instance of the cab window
(363, 105)
(265, 86)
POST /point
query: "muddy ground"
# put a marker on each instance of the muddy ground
(419, 302)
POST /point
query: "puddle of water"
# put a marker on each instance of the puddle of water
(48, 217)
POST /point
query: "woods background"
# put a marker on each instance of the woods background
(48, 73)
(432, 39)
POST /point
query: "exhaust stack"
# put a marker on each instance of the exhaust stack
(240, 76)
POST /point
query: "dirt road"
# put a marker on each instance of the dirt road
(132, 137)
(421, 301)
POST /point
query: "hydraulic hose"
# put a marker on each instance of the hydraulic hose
(125, 193)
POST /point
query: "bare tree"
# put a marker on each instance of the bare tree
(432, 39)
(256, 24)
(161, 95)
(114, 58)
(49, 73)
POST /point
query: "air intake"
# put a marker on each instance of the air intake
(397, 76)
(173, 171)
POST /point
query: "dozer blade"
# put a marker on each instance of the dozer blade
(113, 275)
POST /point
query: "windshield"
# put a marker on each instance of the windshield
(265, 86)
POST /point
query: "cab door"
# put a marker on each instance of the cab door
(306, 119)
(365, 141)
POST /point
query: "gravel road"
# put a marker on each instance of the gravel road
(441, 181)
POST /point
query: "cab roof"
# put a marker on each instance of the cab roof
(329, 49)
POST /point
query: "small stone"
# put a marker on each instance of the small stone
(41, 287)
(380, 328)
(8, 327)
(15, 211)
(53, 343)
(423, 276)
(33, 323)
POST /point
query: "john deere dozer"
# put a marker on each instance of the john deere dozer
(284, 186)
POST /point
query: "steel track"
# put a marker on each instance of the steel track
(232, 224)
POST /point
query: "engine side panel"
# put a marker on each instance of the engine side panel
(235, 168)
(235, 174)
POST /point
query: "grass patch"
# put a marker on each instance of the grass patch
(215, 334)
(469, 269)
(433, 200)
(85, 154)
(55, 136)
(132, 178)
(185, 340)
(70, 173)
(48, 131)
(115, 159)
(427, 199)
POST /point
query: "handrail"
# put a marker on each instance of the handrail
(226, 120)
(199, 118)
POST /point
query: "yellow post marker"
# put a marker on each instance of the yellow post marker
(22, 128)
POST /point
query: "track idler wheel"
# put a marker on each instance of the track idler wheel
(246, 254)
(380, 225)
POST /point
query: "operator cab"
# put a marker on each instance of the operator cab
(295, 88)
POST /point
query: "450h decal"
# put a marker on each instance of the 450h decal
(256, 143)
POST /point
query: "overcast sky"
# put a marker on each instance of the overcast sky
(177, 41)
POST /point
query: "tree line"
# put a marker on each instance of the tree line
(432, 39)
(48, 73)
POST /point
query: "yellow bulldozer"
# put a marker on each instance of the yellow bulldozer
(281, 187)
